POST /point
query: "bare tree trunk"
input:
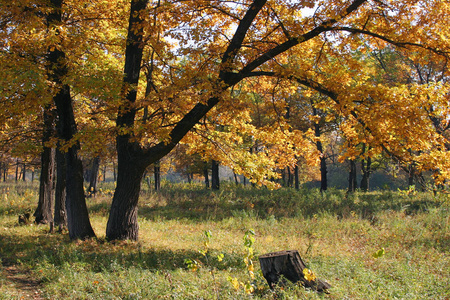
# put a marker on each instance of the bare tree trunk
(352, 184)
(43, 213)
(24, 168)
(206, 176)
(60, 218)
(17, 169)
(296, 179)
(215, 180)
(157, 174)
(93, 176)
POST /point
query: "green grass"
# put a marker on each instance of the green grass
(335, 235)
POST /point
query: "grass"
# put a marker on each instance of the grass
(336, 235)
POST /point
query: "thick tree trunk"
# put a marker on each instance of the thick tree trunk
(122, 222)
(215, 180)
(77, 214)
(43, 213)
(60, 218)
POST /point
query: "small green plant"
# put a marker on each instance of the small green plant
(194, 265)
(250, 286)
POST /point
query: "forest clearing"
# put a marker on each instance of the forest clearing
(331, 117)
(338, 237)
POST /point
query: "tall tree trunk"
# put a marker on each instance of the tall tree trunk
(93, 176)
(122, 221)
(319, 146)
(215, 180)
(352, 184)
(77, 214)
(296, 179)
(43, 213)
(60, 218)
(157, 174)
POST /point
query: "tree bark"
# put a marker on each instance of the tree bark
(157, 174)
(352, 184)
(77, 214)
(296, 179)
(215, 180)
(93, 176)
(24, 169)
(290, 265)
(60, 217)
(206, 176)
(43, 213)
(122, 222)
(366, 170)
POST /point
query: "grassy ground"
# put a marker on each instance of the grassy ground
(337, 236)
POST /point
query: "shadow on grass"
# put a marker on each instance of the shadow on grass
(96, 255)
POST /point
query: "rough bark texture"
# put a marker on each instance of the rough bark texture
(60, 217)
(290, 265)
(77, 214)
(122, 222)
(43, 213)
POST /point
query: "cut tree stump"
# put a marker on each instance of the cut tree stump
(290, 265)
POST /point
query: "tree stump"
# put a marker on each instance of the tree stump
(290, 265)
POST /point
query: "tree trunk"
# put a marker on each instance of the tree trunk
(24, 169)
(206, 176)
(43, 213)
(289, 183)
(17, 170)
(93, 176)
(215, 180)
(319, 146)
(157, 173)
(290, 265)
(122, 222)
(60, 218)
(77, 214)
(352, 184)
(296, 179)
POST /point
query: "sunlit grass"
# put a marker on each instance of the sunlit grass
(336, 235)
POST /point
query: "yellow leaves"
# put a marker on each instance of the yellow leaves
(309, 275)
